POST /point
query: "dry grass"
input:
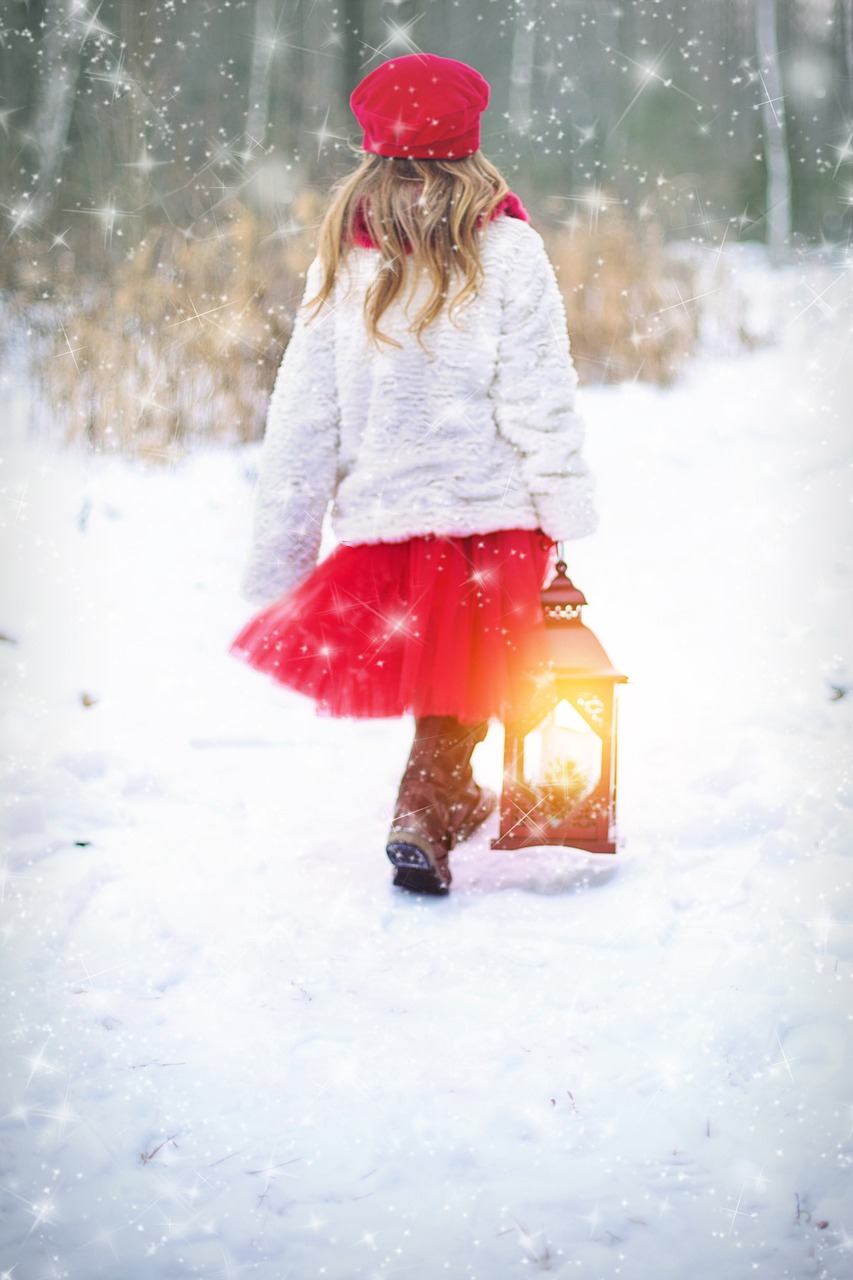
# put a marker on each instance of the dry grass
(623, 298)
(182, 343)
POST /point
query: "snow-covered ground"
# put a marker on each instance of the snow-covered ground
(232, 1048)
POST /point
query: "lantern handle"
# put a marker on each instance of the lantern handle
(561, 557)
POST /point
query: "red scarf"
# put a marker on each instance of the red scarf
(510, 205)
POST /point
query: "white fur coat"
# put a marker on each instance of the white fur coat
(478, 434)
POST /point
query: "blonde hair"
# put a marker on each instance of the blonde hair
(436, 207)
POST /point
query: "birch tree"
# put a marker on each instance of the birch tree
(778, 198)
(843, 43)
(263, 53)
(521, 79)
(67, 23)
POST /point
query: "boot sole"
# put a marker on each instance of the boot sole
(414, 869)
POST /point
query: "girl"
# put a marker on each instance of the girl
(430, 395)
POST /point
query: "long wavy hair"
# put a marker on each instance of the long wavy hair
(434, 208)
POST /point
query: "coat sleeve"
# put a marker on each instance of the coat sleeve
(299, 456)
(534, 394)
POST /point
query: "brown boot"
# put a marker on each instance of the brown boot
(438, 803)
(470, 810)
(471, 804)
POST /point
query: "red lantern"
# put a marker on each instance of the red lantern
(559, 785)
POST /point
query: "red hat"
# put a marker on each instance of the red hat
(422, 106)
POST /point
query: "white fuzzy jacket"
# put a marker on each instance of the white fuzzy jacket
(480, 434)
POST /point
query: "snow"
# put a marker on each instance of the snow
(232, 1048)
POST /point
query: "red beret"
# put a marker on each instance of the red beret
(422, 106)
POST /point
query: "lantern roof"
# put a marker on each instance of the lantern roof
(576, 651)
(561, 599)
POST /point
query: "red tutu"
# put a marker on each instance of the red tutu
(430, 626)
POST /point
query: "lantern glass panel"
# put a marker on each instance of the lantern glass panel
(562, 759)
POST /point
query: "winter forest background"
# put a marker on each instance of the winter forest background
(163, 167)
(229, 1047)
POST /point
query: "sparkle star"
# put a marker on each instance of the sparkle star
(199, 315)
(845, 154)
(71, 351)
(595, 202)
(324, 134)
(109, 213)
(784, 1059)
(145, 164)
(62, 1116)
(736, 1212)
(39, 1063)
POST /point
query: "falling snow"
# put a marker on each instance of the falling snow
(232, 1048)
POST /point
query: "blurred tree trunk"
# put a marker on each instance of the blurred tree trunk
(263, 52)
(354, 34)
(285, 87)
(843, 44)
(778, 198)
(520, 84)
(351, 72)
(58, 75)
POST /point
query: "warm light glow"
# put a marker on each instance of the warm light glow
(562, 754)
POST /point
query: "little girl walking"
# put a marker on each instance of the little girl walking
(429, 396)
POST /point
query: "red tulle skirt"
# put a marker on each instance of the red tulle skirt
(430, 626)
